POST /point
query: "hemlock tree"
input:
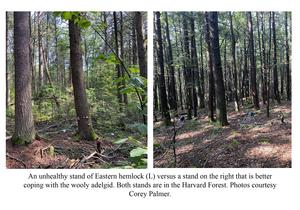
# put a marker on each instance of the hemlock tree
(221, 114)
(254, 91)
(162, 83)
(85, 128)
(24, 125)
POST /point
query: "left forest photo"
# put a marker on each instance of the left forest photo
(76, 90)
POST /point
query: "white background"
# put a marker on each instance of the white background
(13, 196)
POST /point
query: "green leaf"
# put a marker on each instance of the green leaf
(137, 152)
(84, 23)
(67, 15)
(127, 90)
(134, 70)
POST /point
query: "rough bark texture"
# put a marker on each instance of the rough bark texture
(24, 125)
(217, 69)
(85, 128)
(254, 91)
(140, 44)
(162, 84)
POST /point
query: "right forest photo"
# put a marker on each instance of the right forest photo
(222, 89)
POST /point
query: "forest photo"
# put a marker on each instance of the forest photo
(76, 90)
(222, 89)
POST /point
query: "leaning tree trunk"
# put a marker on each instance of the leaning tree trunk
(221, 113)
(24, 125)
(85, 128)
(252, 63)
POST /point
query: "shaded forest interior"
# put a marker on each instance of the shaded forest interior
(76, 89)
(222, 89)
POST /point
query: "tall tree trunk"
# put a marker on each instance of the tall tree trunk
(172, 87)
(264, 58)
(211, 82)
(287, 57)
(118, 66)
(269, 65)
(40, 43)
(85, 128)
(217, 69)
(261, 61)
(179, 71)
(125, 98)
(252, 63)
(188, 77)
(202, 84)
(235, 86)
(24, 125)
(7, 65)
(134, 42)
(275, 73)
(195, 67)
(162, 84)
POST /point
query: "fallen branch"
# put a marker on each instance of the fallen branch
(16, 159)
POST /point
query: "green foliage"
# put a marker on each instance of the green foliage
(77, 17)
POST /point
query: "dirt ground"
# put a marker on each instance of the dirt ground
(248, 142)
(67, 153)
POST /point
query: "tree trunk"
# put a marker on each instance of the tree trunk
(275, 73)
(7, 65)
(202, 85)
(188, 77)
(252, 63)
(172, 87)
(40, 43)
(217, 69)
(287, 57)
(125, 98)
(162, 85)
(235, 87)
(211, 82)
(24, 125)
(195, 67)
(85, 128)
(118, 66)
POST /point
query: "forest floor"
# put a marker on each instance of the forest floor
(58, 148)
(248, 142)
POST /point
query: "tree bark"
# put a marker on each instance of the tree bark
(188, 77)
(118, 66)
(211, 82)
(85, 128)
(217, 69)
(172, 87)
(275, 73)
(287, 57)
(162, 84)
(235, 87)
(252, 63)
(24, 125)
